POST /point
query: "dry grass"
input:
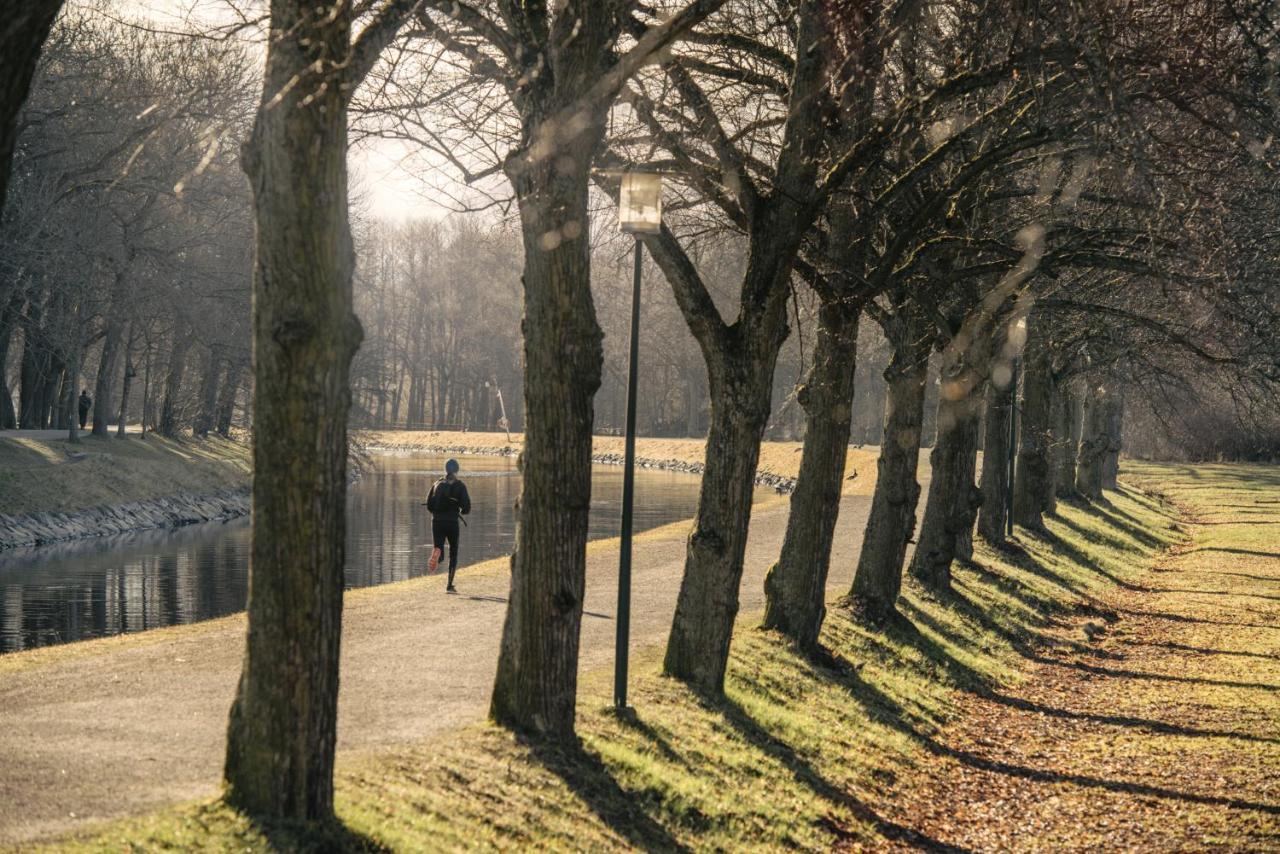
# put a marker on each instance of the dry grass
(54, 475)
(801, 754)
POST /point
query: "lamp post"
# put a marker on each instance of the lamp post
(639, 212)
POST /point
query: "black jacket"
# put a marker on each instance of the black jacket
(448, 498)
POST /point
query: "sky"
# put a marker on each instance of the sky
(380, 186)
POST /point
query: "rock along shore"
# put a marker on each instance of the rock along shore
(780, 484)
(35, 529)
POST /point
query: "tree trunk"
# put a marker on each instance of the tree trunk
(104, 387)
(741, 388)
(8, 321)
(1093, 446)
(878, 578)
(127, 384)
(173, 381)
(227, 399)
(71, 378)
(1033, 494)
(953, 498)
(993, 515)
(1113, 419)
(1066, 432)
(537, 681)
(25, 29)
(796, 586)
(282, 729)
(209, 393)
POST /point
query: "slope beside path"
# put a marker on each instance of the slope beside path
(1163, 735)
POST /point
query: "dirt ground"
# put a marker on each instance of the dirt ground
(1164, 737)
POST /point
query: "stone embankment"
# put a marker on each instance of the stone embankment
(779, 483)
(37, 529)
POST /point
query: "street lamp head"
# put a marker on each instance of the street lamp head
(640, 203)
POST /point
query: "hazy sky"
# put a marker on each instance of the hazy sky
(379, 185)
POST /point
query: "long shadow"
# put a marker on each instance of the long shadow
(588, 778)
(634, 722)
(807, 775)
(1077, 555)
(1041, 776)
(1200, 650)
(331, 837)
(1183, 618)
(1028, 562)
(1275, 579)
(1239, 552)
(1119, 673)
(1214, 593)
(1122, 520)
(1015, 588)
(1150, 724)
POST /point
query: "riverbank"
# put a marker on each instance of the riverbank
(778, 467)
(814, 755)
(53, 490)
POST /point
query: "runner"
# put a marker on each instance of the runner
(448, 503)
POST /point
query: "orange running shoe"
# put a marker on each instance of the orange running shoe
(436, 554)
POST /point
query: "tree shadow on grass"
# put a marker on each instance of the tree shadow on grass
(805, 774)
(589, 778)
(1040, 775)
(323, 837)
(1129, 721)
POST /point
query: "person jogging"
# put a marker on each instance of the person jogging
(448, 503)
(85, 403)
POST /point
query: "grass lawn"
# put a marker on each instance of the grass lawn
(800, 752)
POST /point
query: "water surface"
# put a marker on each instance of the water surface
(133, 582)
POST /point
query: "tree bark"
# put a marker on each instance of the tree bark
(126, 384)
(104, 387)
(878, 578)
(1093, 446)
(993, 515)
(26, 26)
(1113, 419)
(698, 647)
(227, 399)
(208, 393)
(8, 320)
(537, 681)
(1065, 437)
(953, 498)
(1033, 494)
(282, 728)
(168, 426)
(795, 588)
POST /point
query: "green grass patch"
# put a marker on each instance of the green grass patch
(39, 475)
(795, 756)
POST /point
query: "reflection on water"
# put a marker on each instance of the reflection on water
(133, 582)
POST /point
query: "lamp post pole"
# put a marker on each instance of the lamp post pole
(1013, 448)
(628, 496)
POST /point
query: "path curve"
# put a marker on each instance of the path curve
(125, 725)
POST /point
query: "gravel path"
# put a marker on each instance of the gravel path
(124, 725)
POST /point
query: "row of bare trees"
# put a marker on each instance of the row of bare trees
(1038, 190)
(124, 243)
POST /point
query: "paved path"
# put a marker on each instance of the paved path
(124, 725)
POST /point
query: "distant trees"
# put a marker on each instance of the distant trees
(127, 214)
